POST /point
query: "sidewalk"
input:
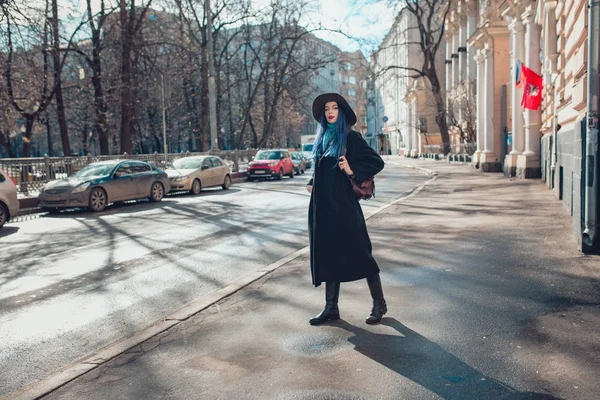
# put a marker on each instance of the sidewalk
(487, 299)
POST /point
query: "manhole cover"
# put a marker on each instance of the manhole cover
(323, 394)
(316, 344)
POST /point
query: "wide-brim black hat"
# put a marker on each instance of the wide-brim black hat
(318, 107)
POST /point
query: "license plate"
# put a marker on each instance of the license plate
(259, 172)
(52, 198)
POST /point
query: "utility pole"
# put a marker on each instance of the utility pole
(212, 95)
(164, 117)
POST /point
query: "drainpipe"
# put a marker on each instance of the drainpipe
(589, 237)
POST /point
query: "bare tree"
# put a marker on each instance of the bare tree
(26, 71)
(58, 91)
(462, 116)
(130, 20)
(428, 17)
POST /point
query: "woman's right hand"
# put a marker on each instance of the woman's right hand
(309, 188)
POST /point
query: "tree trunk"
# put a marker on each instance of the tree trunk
(60, 103)
(126, 105)
(5, 142)
(49, 135)
(440, 117)
(99, 103)
(204, 116)
(29, 121)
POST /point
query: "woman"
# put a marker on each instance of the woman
(340, 248)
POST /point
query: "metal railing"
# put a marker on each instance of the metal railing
(432, 149)
(463, 148)
(31, 174)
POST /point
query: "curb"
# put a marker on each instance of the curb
(45, 386)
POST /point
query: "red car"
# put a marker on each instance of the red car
(271, 164)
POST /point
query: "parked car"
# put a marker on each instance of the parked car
(9, 205)
(271, 164)
(196, 173)
(299, 162)
(105, 182)
(308, 157)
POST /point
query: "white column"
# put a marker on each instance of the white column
(415, 141)
(408, 131)
(463, 53)
(455, 60)
(518, 123)
(533, 118)
(480, 96)
(471, 63)
(488, 106)
(462, 76)
(448, 69)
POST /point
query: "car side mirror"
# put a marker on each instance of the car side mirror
(115, 176)
(204, 167)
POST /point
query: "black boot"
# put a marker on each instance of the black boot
(379, 306)
(331, 311)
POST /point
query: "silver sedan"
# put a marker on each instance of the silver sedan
(101, 183)
(198, 172)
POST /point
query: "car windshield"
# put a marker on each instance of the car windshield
(268, 155)
(187, 163)
(95, 170)
(297, 156)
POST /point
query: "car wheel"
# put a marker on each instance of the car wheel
(3, 215)
(280, 174)
(226, 183)
(248, 179)
(157, 192)
(196, 187)
(98, 200)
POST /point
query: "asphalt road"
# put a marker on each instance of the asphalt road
(75, 282)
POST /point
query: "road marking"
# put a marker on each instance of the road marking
(56, 380)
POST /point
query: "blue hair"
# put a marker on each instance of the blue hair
(338, 145)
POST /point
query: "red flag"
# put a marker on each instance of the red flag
(532, 92)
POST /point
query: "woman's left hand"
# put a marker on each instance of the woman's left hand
(344, 166)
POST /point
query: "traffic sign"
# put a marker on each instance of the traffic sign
(385, 119)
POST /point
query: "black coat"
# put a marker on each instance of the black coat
(340, 247)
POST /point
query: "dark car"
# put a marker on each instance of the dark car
(308, 159)
(299, 162)
(102, 183)
(271, 164)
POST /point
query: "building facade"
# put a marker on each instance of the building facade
(400, 107)
(556, 142)
(346, 74)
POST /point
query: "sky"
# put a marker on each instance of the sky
(365, 21)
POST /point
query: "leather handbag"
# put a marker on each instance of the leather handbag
(364, 190)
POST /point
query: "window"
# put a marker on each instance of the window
(123, 170)
(352, 80)
(206, 164)
(137, 168)
(348, 66)
(216, 162)
(351, 92)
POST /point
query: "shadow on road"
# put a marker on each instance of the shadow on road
(429, 365)
(8, 230)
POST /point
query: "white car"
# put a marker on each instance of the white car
(199, 172)
(9, 205)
